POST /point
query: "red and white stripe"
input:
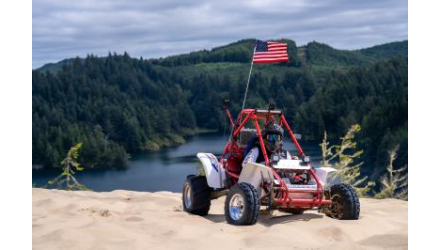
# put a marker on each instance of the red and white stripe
(277, 52)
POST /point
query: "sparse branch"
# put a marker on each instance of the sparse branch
(345, 154)
(70, 167)
(395, 182)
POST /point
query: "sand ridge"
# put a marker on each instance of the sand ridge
(143, 220)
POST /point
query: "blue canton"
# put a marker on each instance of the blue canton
(261, 46)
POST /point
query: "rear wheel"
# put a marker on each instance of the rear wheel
(242, 205)
(196, 195)
(345, 203)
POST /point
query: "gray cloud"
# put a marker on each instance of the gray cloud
(64, 29)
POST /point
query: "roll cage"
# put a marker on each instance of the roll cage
(235, 151)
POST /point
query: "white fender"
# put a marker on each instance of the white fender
(214, 171)
(322, 174)
(255, 174)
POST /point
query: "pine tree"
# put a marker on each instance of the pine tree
(70, 165)
(394, 182)
(346, 156)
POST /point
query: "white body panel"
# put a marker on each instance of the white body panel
(291, 164)
(214, 171)
(322, 174)
(255, 174)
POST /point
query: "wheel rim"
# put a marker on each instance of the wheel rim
(236, 207)
(187, 196)
(337, 207)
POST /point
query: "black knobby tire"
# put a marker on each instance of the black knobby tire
(200, 195)
(292, 210)
(345, 203)
(250, 207)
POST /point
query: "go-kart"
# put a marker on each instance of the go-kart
(289, 185)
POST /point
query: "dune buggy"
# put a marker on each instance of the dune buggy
(290, 185)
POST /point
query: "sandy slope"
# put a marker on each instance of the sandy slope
(137, 220)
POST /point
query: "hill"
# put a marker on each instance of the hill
(319, 54)
(118, 105)
(314, 53)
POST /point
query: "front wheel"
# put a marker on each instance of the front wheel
(242, 205)
(196, 195)
(345, 203)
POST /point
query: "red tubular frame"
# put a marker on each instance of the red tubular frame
(242, 124)
(284, 200)
(292, 136)
(228, 113)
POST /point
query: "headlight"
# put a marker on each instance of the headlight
(306, 159)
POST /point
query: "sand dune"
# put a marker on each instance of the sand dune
(142, 220)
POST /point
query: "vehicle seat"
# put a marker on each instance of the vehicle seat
(246, 134)
(234, 164)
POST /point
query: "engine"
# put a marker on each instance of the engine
(296, 175)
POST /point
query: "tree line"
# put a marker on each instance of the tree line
(118, 105)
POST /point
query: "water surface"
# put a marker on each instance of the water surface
(165, 169)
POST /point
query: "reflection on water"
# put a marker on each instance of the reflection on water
(162, 170)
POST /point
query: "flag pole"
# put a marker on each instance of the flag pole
(249, 78)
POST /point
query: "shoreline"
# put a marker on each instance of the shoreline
(172, 140)
(154, 145)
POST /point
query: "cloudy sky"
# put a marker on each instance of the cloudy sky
(65, 28)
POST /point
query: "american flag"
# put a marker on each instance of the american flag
(270, 52)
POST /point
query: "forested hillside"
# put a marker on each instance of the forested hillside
(118, 105)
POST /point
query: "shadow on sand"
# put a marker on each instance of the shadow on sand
(268, 220)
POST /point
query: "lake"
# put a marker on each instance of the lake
(165, 169)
